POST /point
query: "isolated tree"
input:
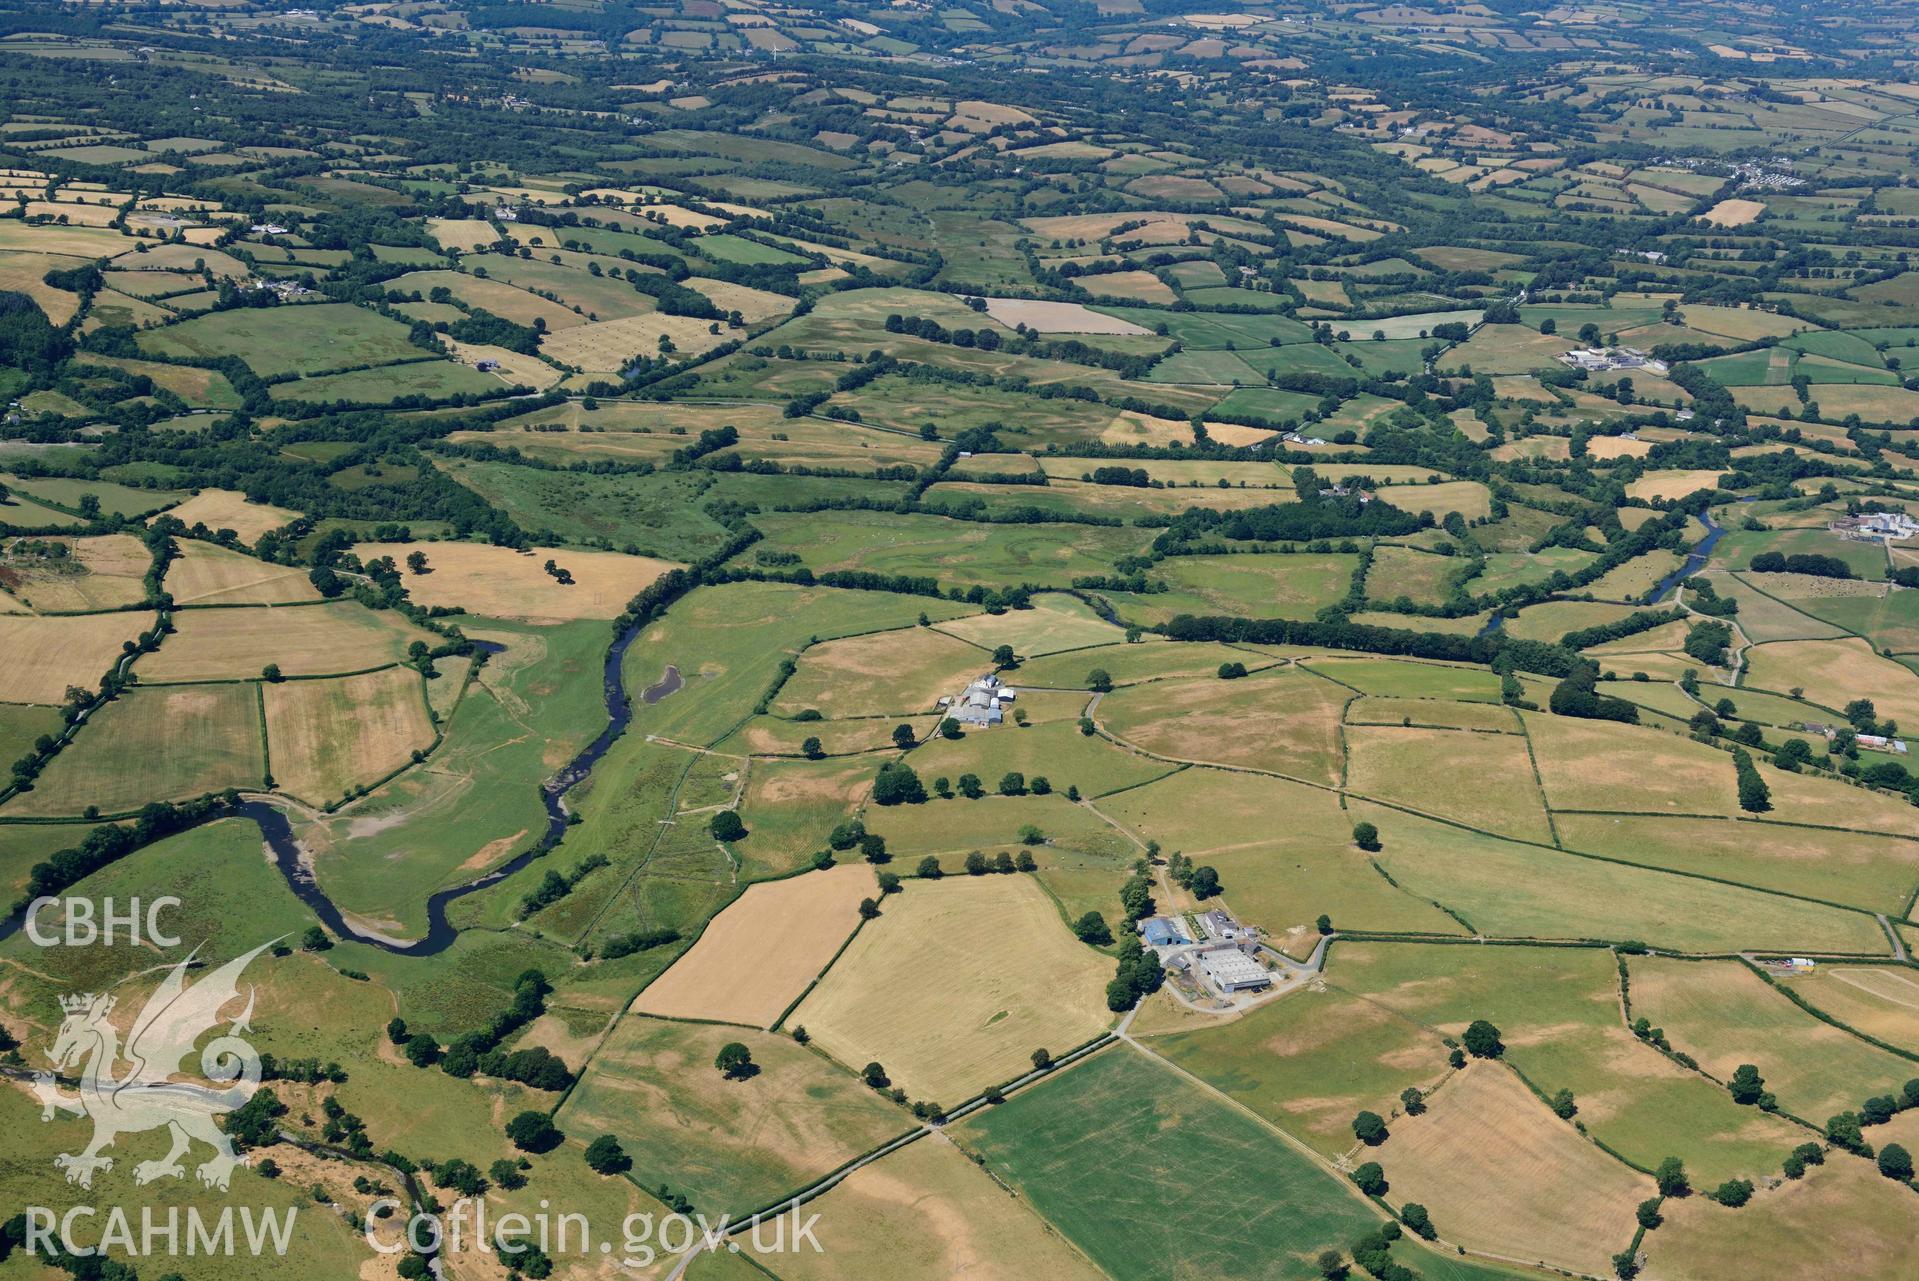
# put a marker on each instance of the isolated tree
(726, 826)
(875, 1075)
(970, 787)
(1563, 1105)
(1648, 1214)
(1042, 1059)
(271, 673)
(1895, 1162)
(1482, 1040)
(975, 863)
(605, 1156)
(1092, 928)
(869, 909)
(1012, 783)
(1747, 1085)
(1369, 1128)
(1366, 836)
(533, 1132)
(1325, 924)
(1205, 883)
(416, 561)
(735, 1061)
(1670, 1177)
(1733, 1193)
(1414, 1216)
(813, 749)
(1003, 657)
(1331, 1265)
(930, 867)
(1412, 1100)
(873, 848)
(950, 728)
(903, 736)
(1099, 681)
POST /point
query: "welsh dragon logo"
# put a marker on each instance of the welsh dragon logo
(146, 1096)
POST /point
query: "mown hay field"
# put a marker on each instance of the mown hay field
(757, 956)
(331, 736)
(204, 574)
(302, 640)
(1010, 977)
(500, 582)
(47, 655)
(219, 509)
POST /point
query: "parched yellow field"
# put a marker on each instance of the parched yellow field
(219, 509)
(327, 736)
(1232, 722)
(103, 572)
(1672, 484)
(1057, 622)
(1734, 213)
(1834, 672)
(903, 672)
(927, 1213)
(1499, 1172)
(203, 574)
(303, 640)
(752, 304)
(1879, 1000)
(1600, 765)
(46, 655)
(607, 346)
(499, 582)
(463, 234)
(1841, 1220)
(1490, 717)
(758, 955)
(956, 985)
(1398, 764)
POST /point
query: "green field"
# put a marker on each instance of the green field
(1116, 1130)
(307, 339)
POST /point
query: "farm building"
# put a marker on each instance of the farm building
(1599, 360)
(982, 703)
(1891, 526)
(1231, 970)
(1160, 931)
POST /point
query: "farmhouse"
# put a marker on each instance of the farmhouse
(1231, 970)
(1218, 925)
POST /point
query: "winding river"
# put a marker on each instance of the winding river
(277, 831)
